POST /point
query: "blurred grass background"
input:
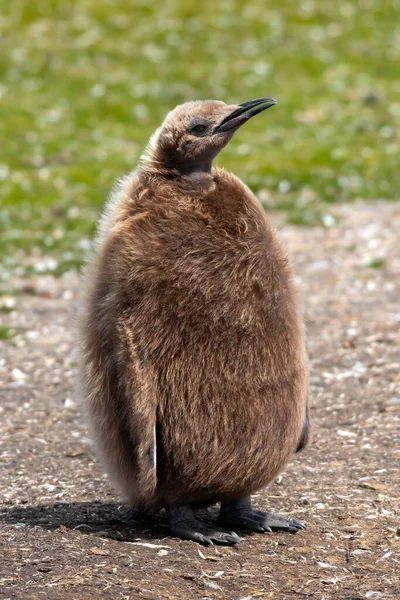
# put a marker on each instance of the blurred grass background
(85, 82)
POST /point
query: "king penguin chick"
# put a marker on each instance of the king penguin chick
(194, 373)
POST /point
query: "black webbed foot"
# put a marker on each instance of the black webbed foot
(240, 515)
(184, 526)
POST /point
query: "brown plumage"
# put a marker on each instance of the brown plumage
(194, 372)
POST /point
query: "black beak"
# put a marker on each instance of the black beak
(244, 113)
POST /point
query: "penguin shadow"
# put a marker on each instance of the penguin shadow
(108, 520)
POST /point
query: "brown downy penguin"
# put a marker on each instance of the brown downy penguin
(194, 372)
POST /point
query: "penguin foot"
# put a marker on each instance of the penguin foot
(240, 515)
(186, 527)
(135, 513)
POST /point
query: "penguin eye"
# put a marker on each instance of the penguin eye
(199, 129)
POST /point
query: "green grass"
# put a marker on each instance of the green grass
(6, 309)
(84, 83)
(377, 263)
(6, 333)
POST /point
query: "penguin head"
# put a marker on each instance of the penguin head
(194, 133)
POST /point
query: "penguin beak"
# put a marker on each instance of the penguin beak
(243, 113)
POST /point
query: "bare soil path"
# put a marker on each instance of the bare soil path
(64, 533)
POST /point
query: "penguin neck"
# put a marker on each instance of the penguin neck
(196, 183)
(172, 166)
(195, 168)
(186, 174)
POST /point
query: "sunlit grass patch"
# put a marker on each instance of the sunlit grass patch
(6, 333)
(377, 263)
(84, 84)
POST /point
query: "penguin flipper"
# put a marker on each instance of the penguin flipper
(141, 405)
(305, 432)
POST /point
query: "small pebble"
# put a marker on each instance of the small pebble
(18, 375)
(70, 404)
(393, 402)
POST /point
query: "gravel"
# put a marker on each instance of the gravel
(63, 530)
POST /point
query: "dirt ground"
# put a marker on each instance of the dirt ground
(64, 532)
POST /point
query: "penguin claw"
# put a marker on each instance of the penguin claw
(258, 521)
(199, 538)
(298, 524)
(280, 523)
(207, 536)
(185, 526)
(228, 538)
